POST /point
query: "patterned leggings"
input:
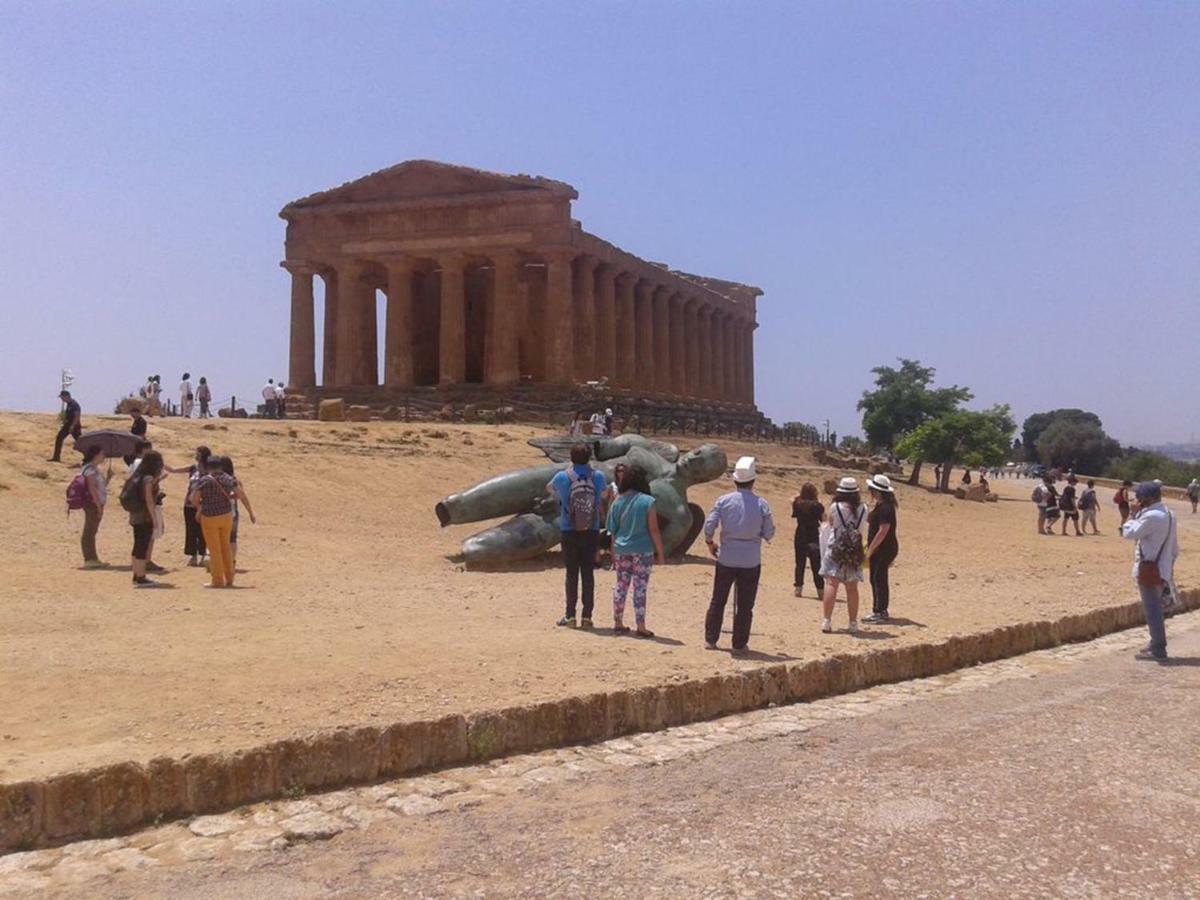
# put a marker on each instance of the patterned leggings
(636, 569)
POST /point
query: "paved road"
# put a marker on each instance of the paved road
(1072, 772)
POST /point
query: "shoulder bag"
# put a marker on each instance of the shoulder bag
(1148, 572)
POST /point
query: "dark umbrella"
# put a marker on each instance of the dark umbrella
(113, 443)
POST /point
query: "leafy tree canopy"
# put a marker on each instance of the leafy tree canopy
(902, 400)
(1076, 444)
(1036, 424)
(961, 436)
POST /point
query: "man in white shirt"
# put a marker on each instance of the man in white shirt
(599, 426)
(269, 399)
(1153, 526)
(280, 400)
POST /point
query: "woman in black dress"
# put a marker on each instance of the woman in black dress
(882, 546)
(808, 513)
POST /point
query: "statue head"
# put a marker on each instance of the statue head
(706, 463)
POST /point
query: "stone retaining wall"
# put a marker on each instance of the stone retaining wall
(117, 798)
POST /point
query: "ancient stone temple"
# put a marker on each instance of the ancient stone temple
(488, 280)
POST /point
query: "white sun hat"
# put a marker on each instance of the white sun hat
(848, 485)
(746, 470)
(881, 483)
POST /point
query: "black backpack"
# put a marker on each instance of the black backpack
(132, 499)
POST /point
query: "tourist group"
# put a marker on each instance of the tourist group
(620, 519)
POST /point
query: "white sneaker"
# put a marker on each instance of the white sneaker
(853, 626)
(826, 626)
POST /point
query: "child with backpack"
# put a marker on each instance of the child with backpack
(577, 489)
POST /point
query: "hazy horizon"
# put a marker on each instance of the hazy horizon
(1008, 193)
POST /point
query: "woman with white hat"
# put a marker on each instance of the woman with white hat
(882, 546)
(745, 522)
(842, 559)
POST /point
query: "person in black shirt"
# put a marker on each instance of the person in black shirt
(70, 424)
(882, 546)
(808, 513)
(1066, 503)
(139, 423)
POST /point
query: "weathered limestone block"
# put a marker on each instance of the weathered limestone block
(122, 790)
(332, 410)
(21, 807)
(358, 414)
(505, 414)
(72, 807)
(960, 494)
(977, 492)
(393, 414)
(210, 783)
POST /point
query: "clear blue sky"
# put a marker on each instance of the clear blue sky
(1007, 191)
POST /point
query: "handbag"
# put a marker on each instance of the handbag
(1148, 573)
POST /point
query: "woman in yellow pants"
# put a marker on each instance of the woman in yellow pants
(213, 499)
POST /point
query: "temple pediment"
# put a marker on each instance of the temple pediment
(425, 179)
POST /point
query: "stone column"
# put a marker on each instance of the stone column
(452, 331)
(661, 300)
(626, 329)
(398, 338)
(736, 351)
(644, 350)
(560, 331)
(302, 362)
(584, 317)
(349, 323)
(749, 344)
(718, 353)
(501, 360)
(732, 390)
(691, 347)
(678, 354)
(704, 352)
(329, 352)
(606, 322)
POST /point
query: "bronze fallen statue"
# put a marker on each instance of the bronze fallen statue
(533, 528)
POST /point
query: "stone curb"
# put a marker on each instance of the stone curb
(115, 799)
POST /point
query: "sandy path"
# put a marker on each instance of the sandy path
(349, 611)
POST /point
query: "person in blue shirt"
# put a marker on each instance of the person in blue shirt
(578, 489)
(745, 522)
(636, 545)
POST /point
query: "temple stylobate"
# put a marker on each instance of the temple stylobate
(488, 280)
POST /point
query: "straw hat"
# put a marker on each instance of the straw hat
(881, 483)
(848, 485)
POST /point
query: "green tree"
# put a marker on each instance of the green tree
(1037, 424)
(1077, 444)
(961, 437)
(1143, 465)
(902, 400)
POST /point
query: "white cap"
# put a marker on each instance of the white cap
(608, 412)
(746, 470)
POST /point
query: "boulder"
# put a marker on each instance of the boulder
(331, 410)
(358, 414)
(446, 414)
(505, 414)
(977, 492)
(960, 494)
(393, 414)
(992, 498)
(469, 412)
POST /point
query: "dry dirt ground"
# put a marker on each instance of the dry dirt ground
(349, 611)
